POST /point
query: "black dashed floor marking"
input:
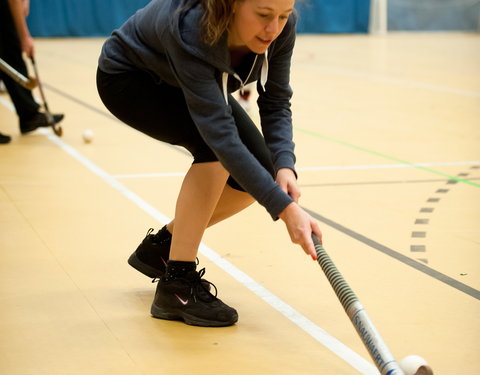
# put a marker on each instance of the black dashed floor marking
(426, 209)
(422, 221)
(422, 248)
(419, 234)
(418, 248)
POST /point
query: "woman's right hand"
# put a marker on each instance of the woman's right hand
(300, 226)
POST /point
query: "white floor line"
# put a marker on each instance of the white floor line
(338, 348)
(149, 175)
(384, 79)
(387, 166)
(7, 103)
(320, 168)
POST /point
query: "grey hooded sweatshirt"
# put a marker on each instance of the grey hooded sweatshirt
(164, 39)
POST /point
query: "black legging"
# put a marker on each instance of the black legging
(11, 52)
(160, 111)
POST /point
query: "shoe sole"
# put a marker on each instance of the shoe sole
(161, 313)
(143, 267)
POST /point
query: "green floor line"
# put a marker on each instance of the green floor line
(392, 158)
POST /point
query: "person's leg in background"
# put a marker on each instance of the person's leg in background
(10, 50)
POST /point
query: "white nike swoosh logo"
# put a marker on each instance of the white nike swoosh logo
(182, 301)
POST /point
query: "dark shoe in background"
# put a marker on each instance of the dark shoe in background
(39, 120)
(4, 139)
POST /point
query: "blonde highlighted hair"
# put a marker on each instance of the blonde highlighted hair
(216, 19)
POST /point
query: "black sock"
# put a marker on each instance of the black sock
(177, 269)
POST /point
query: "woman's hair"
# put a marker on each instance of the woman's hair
(215, 20)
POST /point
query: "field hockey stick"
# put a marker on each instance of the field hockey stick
(376, 347)
(28, 83)
(57, 129)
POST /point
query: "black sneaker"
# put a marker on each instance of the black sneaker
(152, 254)
(4, 139)
(38, 120)
(188, 299)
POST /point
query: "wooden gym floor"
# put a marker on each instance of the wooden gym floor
(388, 142)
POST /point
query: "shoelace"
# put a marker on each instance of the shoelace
(157, 238)
(199, 287)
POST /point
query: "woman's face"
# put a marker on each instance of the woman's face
(256, 23)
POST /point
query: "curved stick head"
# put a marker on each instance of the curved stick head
(31, 83)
